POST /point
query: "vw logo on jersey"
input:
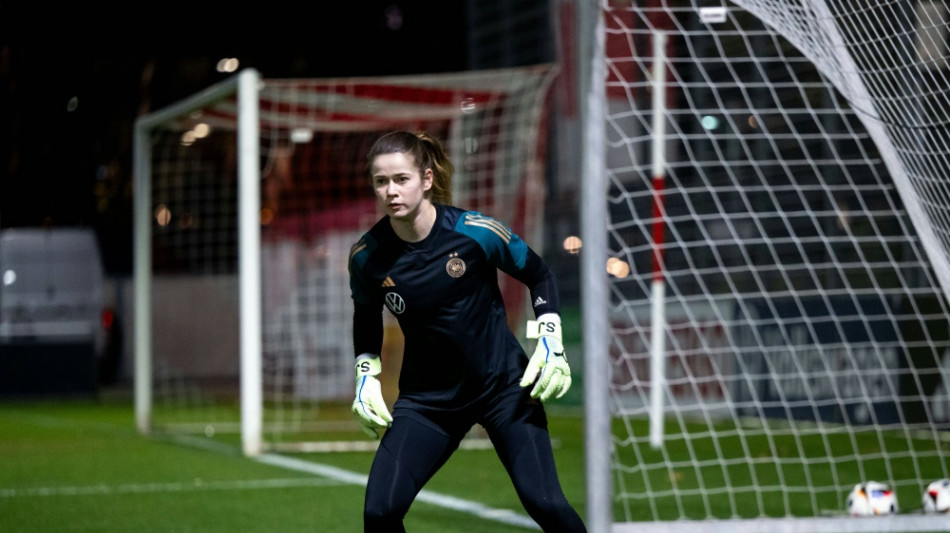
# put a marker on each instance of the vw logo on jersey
(395, 303)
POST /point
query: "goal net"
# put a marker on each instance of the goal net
(250, 197)
(776, 196)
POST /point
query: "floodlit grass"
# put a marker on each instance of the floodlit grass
(81, 466)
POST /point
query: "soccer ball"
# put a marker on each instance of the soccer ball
(871, 499)
(937, 497)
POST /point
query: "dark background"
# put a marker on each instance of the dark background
(73, 80)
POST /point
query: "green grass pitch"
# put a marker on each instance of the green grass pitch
(81, 466)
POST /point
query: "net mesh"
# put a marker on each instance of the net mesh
(792, 230)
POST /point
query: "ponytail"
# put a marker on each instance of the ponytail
(442, 169)
(427, 153)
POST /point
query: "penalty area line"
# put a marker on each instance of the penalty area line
(504, 516)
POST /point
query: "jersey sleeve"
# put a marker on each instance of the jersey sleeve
(511, 255)
(542, 283)
(367, 329)
(367, 314)
(359, 254)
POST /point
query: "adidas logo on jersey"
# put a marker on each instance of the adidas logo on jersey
(388, 282)
(540, 301)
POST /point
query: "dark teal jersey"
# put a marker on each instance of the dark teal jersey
(444, 293)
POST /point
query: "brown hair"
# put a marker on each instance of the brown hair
(426, 152)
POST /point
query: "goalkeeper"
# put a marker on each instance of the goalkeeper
(435, 267)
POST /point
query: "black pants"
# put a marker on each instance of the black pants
(416, 446)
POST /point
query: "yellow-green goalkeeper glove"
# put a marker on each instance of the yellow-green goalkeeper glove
(368, 406)
(548, 359)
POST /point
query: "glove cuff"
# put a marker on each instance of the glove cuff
(368, 364)
(547, 325)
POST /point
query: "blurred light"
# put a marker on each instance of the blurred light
(267, 216)
(844, 217)
(468, 106)
(618, 268)
(201, 130)
(163, 215)
(573, 244)
(301, 135)
(710, 122)
(228, 64)
(188, 138)
(712, 15)
(753, 122)
(186, 220)
(73, 104)
(471, 145)
(108, 318)
(9, 277)
(393, 18)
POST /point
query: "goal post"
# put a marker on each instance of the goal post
(801, 240)
(594, 293)
(245, 85)
(248, 197)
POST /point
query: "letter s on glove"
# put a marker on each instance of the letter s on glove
(547, 367)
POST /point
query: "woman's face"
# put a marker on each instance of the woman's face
(400, 188)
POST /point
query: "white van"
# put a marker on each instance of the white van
(52, 330)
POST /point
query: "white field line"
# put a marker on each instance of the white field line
(450, 502)
(145, 488)
(504, 516)
(330, 475)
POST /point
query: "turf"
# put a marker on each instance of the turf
(81, 466)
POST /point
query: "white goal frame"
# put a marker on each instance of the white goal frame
(246, 84)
